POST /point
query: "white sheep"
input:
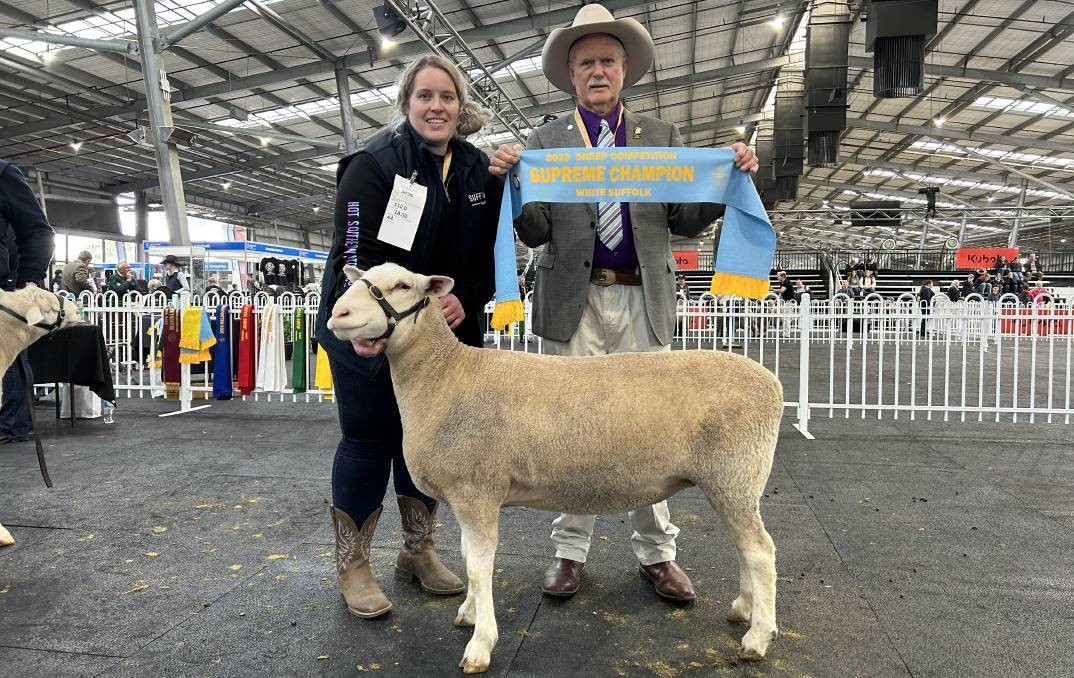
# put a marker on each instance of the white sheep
(484, 429)
(26, 315)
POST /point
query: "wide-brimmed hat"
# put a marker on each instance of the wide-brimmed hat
(592, 19)
(170, 259)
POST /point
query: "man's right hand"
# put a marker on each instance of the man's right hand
(505, 157)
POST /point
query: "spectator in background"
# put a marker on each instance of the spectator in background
(995, 293)
(799, 289)
(1002, 268)
(1037, 292)
(924, 296)
(968, 287)
(1010, 284)
(868, 283)
(844, 288)
(982, 283)
(681, 287)
(1017, 267)
(1033, 268)
(784, 286)
(174, 278)
(953, 292)
(122, 281)
(76, 276)
(854, 287)
(56, 284)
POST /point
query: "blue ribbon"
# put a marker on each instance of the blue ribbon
(641, 174)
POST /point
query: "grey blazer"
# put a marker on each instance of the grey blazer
(568, 232)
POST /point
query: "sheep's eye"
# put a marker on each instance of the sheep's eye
(402, 286)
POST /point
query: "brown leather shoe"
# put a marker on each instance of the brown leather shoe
(563, 578)
(670, 581)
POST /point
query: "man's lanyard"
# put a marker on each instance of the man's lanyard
(585, 133)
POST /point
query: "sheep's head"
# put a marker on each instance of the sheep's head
(40, 308)
(380, 302)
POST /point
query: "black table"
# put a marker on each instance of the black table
(74, 355)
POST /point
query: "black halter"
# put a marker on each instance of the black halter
(394, 317)
(48, 327)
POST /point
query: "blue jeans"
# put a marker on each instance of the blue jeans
(371, 447)
(15, 413)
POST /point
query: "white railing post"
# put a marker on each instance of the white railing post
(805, 322)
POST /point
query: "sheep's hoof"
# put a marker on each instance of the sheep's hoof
(737, 617)
(463, 621)
(473, 666)
(750, 655)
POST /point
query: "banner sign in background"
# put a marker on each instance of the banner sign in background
(969, 258)
(685, 261)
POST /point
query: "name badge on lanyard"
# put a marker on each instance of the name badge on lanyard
(403, 214)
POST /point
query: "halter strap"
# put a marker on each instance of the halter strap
(49, 327)
(394, 317)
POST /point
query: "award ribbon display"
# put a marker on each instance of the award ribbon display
(637, 174)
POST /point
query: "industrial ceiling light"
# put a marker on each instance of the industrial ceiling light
(991, 197)
(777, 21)
(226, 185)
(76, 146)
(389, 24)
(265, 141)
(939, 121)
(316, 209)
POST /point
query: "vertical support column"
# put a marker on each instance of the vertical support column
(1012, 241)
(41, 191)
(160, 118)
(346, 113)
(805, 322)
(141, 224)
(962, 230)
(921, 245)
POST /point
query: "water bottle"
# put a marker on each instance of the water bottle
(108, 412)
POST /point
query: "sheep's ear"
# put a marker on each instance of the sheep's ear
(35, 313)
(353, 274)
(438, 285)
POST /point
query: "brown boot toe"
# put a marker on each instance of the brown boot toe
(563, 578)
(670, 581)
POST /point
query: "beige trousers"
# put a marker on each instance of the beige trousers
(614, 321)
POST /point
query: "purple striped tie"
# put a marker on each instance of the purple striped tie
(609, 214)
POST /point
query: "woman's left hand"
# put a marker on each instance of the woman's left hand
(453, 312)
(745, 158)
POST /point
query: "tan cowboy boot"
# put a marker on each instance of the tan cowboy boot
(5, 537)
(417, 560)
(364, 598)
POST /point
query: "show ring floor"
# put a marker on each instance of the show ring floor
(200, 545)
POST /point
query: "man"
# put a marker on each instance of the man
(606, 279)
(122, 281)
(76, 276)
(26, 245)
(784, 286)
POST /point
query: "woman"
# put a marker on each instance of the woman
(174, 278)
(455, 233)
(953, 291)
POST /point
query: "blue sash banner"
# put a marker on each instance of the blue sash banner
(222, 357)
(637, 174)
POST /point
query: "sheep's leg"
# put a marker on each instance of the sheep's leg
(467, 611)
(743, 605)
(479, 532)
(757, 556)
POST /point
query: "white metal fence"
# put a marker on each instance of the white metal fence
(837, 358)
